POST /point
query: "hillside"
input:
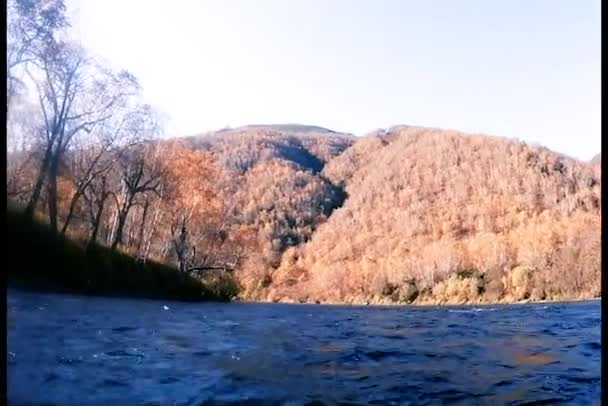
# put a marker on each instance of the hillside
(40, 259)
(240, 149)
(306, 214)
(444, 217)
(271, 178)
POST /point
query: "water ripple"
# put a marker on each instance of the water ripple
(258, 354)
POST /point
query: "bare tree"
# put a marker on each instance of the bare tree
(32, 25)
(22, 150)
(156, 219)
(97, 153)
(141, 175)
(95, 195)
(182, 246)
(75, 95)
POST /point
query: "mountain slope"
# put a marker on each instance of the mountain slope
(272, 180)
(444, 217)
(402, 215)
(242, 148)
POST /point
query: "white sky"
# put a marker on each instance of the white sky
(528, 69)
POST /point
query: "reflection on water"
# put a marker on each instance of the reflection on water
(76, 350)
(535, 359)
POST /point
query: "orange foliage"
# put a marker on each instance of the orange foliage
(409, 215)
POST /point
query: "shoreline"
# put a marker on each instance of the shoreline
(22, 285)
(424, 305)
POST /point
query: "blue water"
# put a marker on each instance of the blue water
(66, 349)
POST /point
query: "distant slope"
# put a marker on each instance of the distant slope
(242, 148)
(290, 128)
(445, 217)
(272, 177)
(597, 159)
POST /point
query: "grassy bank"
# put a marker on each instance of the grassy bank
(40, 259)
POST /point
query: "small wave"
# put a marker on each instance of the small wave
(504, 382)
(113, 383)
(438, 379)
(394, 337)
(123, 329)
(449, 395)
(380, 355)
(593, 346)
(168, 380)
(473, 310)
(351, 358)
(69, 361)
(50, 377)
(584, 379)
(383, 401)
(228, 323)
(548, 401)
(122, 353)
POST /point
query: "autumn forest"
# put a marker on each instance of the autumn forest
(290, 213)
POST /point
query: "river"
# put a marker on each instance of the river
(77, 350)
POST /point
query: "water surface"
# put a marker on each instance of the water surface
(68, 349)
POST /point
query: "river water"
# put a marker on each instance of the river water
(75, 350)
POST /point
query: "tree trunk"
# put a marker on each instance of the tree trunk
(141, 228)
(111, 227)
(31, 205)
(97, 221)
(73, 203)
(52, 188)
(113, 223)
(97, 215)
(148, 241)
(122, 216)
(129, 232)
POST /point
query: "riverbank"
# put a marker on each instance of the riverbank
(433, 303)
(522, 284)
(39, 259)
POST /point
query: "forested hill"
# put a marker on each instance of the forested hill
(411, 212)
(446, 217)
(404, 215)
(292, 212)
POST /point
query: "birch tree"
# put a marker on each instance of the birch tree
(75, 95)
